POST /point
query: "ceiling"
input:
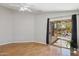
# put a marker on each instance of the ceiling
(43, 7)
(55, 6)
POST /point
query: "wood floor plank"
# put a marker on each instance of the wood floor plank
(29, 49)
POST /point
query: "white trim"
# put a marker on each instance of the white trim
(21, 42)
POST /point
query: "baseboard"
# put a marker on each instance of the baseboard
(20, 42)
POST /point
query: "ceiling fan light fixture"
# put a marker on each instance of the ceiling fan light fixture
(22, 9)
(25, 9)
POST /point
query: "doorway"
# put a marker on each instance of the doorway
(62, 33)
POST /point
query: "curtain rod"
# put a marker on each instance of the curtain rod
(63, 16)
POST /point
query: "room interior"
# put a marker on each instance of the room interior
(24, 28)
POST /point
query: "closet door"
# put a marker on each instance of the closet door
(74, 32)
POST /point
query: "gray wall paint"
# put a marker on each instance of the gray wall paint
(23, 27)
(15, 26)
(5, 25)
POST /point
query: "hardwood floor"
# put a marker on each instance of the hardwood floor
(29, 49)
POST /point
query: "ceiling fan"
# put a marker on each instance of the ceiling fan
(18, 6)
(22, 7)
(25, 7)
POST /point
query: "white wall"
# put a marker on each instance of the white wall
(41, 24)
(5, 26)
(15, 26)
(23, 27)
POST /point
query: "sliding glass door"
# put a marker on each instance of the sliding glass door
(62, 32)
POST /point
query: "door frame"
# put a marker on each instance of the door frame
(74, 31)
